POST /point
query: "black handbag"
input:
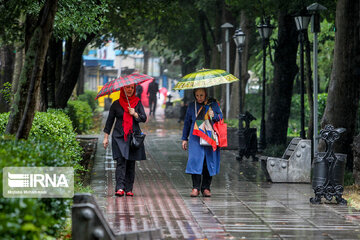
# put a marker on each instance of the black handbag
(137, 140)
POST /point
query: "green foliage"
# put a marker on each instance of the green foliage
(80, 114)
(295, 117)
(322, 98)
(55, 126)
(6, 92)
(253, 104)
(326, 53)
(52, 142)
(32, 218)
(348, 178)
(89, 97)
(80, 18)
(234, 123)
(3, 121)
(274, 150)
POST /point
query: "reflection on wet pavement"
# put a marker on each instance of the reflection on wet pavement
(243, 205)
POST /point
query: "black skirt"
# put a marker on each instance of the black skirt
(120, 148)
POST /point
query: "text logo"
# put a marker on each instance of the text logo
(38, 182)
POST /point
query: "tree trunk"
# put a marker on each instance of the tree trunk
(146, 59)
(285, 69)
(356, 154)
(7, 59)
(344, 87)
(204, 41)
(19, 63)
(23, 107)
(309, 86)
(71, 75)
(247, 27)
(81, 83)
(53, 70)
(43, 101)
(67, 56)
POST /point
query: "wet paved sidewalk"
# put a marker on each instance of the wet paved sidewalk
(243, 204)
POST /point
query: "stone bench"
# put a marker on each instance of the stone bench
(293, 166)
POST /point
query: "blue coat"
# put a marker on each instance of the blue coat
(197, 152)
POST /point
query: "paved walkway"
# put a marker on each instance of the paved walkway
(243, 205)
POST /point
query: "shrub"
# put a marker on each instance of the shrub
(52, 142)
(89, 97)
(54, 125)
(80, 114)
(3, 121)
(31, 218)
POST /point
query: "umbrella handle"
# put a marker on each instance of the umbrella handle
(126, 97)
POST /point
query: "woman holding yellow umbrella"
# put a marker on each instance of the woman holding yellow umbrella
(199, 137)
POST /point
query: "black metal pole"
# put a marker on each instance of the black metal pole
(302, 130)
(262, 142)
(241, 130)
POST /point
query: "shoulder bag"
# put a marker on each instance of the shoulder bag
(137, 140)
(203, 142)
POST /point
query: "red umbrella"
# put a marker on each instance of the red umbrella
(116, 84)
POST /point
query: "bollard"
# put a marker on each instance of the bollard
(329, 167)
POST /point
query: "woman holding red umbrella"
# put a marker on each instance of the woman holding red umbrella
(128, 112)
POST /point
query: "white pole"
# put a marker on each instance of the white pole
(315, 93)
(228, 70)
(227, 26)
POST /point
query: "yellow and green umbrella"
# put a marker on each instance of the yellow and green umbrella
(205, 78)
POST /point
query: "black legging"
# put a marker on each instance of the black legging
(206, 179)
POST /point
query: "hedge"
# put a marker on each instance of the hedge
(80, 114)
(52, 142)
(89, 97)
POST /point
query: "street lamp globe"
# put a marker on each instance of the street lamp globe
(219, 47)
(302, 22)
(265, 30)
(239, 37)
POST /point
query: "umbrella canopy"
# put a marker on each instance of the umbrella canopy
(205, 78)
(116, 84)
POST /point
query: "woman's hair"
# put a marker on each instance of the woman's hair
(194, 91)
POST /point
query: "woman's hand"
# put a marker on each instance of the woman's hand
(133, 113)
(184, 145)
(211, 113)
(106, 140)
